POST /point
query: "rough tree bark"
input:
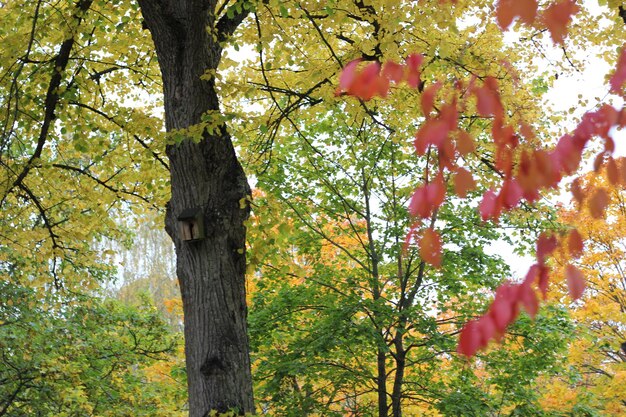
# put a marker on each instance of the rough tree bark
(205, 175)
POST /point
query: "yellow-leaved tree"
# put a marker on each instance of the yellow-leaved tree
(597, 357)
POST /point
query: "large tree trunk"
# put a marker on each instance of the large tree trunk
(208, 176)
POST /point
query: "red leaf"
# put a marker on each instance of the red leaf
(382, 87)
(367, 83)
(432, 132)
(504, 160)
(575, 244)
(621, 117)
(419, 205)
(469, 339)
(488, 206)
(393, 71)
(463, 182)
(526, 10)
(528, 298)
(543, 279)
(413, 63)
(537, 273)
(577, 191)
(567, 155)
(557, 16)
(612, 172)
(527, 131)
(503, 134)
(430, 247)
(597, 162)
(465, 143)
(511, 193)
(541, 274)
(619, 76)
(532, 274)
(449, 115)
(486, 329)
(488, 99)
(609, 143)
(598, 202)
(606, 118)
(348, 75)
(370, 81)
(545, 169)
(427, 198)
(504, 307)
(436, 191)
(507, 10)
(428, 98)
(545, 246)
(526, 174)
(501, 313)
(505, 13)
(446, 154)
(575, 281)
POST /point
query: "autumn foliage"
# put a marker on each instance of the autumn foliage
(526, 172)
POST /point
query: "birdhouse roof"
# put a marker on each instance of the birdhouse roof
(189, 213)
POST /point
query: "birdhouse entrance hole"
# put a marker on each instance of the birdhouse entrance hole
(191, 224)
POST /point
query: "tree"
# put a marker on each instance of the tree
(148, 267)
(205, 173)
(91, 359)
(344, 318)
(68, 53)
(596, 357)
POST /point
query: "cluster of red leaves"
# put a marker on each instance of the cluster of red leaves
(556, 17)
(536, 169)
(539, 169)
(370, 81)
(510, 297)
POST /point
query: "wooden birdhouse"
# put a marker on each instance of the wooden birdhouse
(191, 224)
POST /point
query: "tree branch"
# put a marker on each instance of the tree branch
(154, 153)
(52, 95)
(230, 20)
(104, 183)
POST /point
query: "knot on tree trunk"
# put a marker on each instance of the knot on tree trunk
(213, 366)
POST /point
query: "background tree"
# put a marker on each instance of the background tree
(596, 358)
(93, 358)
(347, 319)
(147, 268)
